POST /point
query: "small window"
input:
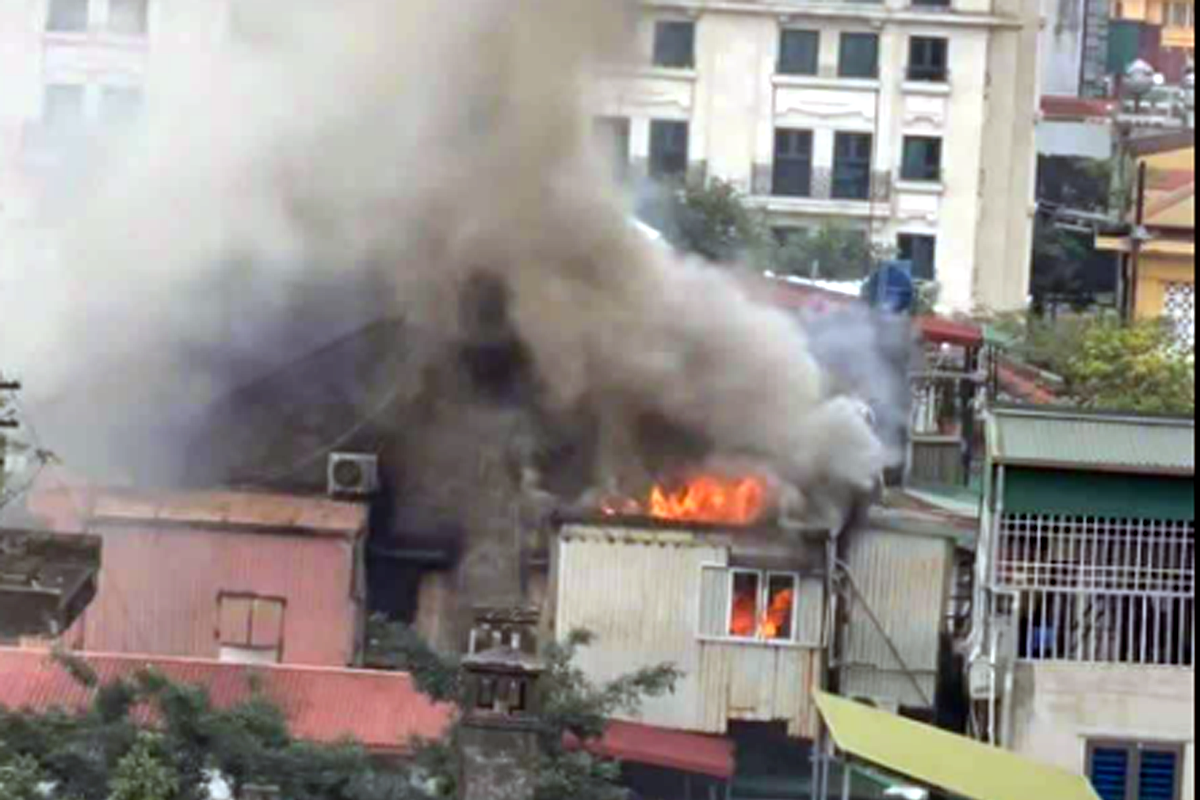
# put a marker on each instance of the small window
(614, 137)
(799, 52)
(668, 149)
(852, 166)
(929, 60)
(250, 628)
(940, 4)
(128, 17)
(121, 106)
(793, 171)
(859, 56)
(743, 615)
(922, 159)
(763, 606)
(68, 16)
(921, 252)
(1130, 771)
(675, 45)
(779, 619)
(63, 109)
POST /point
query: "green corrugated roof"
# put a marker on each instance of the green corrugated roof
(1074, 440)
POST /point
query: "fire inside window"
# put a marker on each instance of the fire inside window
(763, 606)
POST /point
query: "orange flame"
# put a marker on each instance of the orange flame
(706, 499)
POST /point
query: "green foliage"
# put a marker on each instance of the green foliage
(1108, 365)
(1083, 184)
(394, 646)
(144, 774)
(833, 252)
(711, 220)
(20, 778)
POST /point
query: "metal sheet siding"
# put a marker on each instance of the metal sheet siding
(758, 683)
(158, 592)
(642, 601)
(1093, 442)
(906, 580)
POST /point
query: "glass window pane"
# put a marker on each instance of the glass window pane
(921, 251)
(922, 159)
(744, 614)
(68, 16)
(127, 17)
(668, 149)
(852, 166)
(800, 52)
(675, 45)
(859, 56)
(793, 163)
(779, 620)
(929, 59)
(1158, 778)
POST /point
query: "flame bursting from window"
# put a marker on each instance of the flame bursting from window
(706, 499)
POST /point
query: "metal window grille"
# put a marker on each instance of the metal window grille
(1181, 309)
(1101, 590)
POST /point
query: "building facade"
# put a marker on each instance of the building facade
(880, 116)
(1088, 591)
(1074, 48)
(1162, 31)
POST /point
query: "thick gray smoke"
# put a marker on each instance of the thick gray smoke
(370, 159)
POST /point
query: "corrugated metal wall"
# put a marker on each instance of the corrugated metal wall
(906, 580)
(640, 593)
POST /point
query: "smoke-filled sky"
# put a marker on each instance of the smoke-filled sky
(366, 162)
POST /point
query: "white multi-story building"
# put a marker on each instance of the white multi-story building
(912, 120)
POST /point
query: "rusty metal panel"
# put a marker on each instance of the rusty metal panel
(906, 580)
(758, 683)
(639, 593)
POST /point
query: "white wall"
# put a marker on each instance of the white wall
(1059, 708)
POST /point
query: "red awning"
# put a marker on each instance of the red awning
(713, 756)
(944, 331)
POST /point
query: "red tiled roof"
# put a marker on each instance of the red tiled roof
(713, 756)
(383, 711)
(1077, 107)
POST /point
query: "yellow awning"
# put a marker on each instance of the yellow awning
(942, 760)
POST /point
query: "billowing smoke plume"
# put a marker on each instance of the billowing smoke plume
(373, 158)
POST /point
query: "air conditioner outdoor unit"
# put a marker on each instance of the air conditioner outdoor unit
(353, 475)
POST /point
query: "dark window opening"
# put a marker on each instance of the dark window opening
(1131, 771)
(922, 159)
(793, 170)
(921, 251)
(852, 166)
(859, 56)
(675, 45)
(799, 52)
(929, 60)
(128, 17)
(487, 694)
(668, 149)
(932, 3)
(68, 16)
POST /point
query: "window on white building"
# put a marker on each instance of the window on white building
(68, 16)
(922, 159)
(859, 57)
(121, 106)
(921, 251)
(852, 166)
(63, 109)
(929, 59)
(793, 171)
(1135, 771)
(753, 605)
(250, 628)
(675, 44)
(799, 52)
(128, 17)
(668, 149)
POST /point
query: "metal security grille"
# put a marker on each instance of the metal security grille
(1181, 309)
(1101, 590)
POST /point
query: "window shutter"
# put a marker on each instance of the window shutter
(714, 602)
(1159, 776)
(1110, 773)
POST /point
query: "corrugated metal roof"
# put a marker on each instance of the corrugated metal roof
(383, 711)
(1093, 442)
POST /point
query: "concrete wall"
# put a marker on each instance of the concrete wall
(1059, 708)
(734, 100)
(1076, 140)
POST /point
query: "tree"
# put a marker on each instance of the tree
(833, 252)
(143, 775)
(711, 220)
(20, 778)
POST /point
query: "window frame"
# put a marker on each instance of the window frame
(140, 31)
(938, 175)
(54, 19)
(655, 166)
(923, 72)
(663, 55)
(792, 158)
(809, 69)
(1136, 751)
(840, 164)
(764, 577)
(902, 237)
(249, 646)
(848, 36)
